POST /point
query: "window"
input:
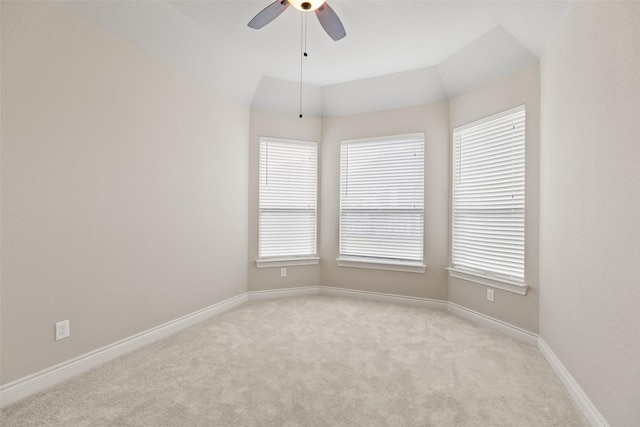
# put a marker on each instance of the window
(488, 201)
(287, 202)
(382, 203)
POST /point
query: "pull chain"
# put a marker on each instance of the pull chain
(305, 34)
(303, 50)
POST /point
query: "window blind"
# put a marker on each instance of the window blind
(287, 198)
(489, 196)
(382, 198)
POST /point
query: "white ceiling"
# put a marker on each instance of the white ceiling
(396, 53)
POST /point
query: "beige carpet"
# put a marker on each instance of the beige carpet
(315, 361)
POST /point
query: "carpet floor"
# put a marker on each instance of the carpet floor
(315, 361)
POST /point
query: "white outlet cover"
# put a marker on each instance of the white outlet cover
(490, 295)
(62, 330)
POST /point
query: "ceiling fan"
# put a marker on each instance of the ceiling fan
(327, 17)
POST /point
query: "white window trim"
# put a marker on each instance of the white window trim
(379, 264)
(286, 262)
(474, 276)
(390, 265)
(494, 282)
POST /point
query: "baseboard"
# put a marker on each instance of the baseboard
(283, 293)
(377, 296)
(19, 389)
(495, 324)
(585, 404)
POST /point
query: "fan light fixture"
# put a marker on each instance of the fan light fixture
(325, 14)
(306, 5)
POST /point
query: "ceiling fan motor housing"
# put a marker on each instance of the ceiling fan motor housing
(306, 5)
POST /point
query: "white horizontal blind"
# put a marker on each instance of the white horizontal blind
(287, 200)
(488, 196)
(382, 198)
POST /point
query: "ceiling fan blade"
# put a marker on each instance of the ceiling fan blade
(330, 22)
(268, 14)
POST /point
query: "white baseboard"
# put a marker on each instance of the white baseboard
(283, 293)
(585, 404)
(23, 387)
(495, 324)
(376, 296)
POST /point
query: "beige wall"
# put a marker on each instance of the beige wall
(590, 204)
(124, 189)
(288, 126)
(519, 88)
(431, 119)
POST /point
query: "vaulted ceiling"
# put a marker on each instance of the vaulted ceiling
(396, 53)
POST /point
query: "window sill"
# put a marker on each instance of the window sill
(382, 265)
(286, 262)
(505, 285)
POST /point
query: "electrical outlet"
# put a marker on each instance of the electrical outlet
(62, 330)
(490, 294)
(283, 272)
